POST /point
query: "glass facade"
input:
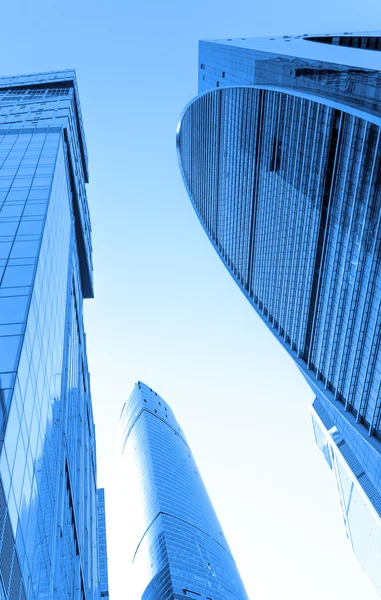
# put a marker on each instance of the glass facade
(179, 551)
(281, 156)
(48, 494)
(102, 545)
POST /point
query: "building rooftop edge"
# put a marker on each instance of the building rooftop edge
(299, 47)
(374, 32)
(34, 80)
(349, 108)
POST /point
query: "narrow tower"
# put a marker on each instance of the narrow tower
(48, 494)
(180, 551)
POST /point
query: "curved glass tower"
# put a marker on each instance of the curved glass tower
(281, 157)
(180, 551)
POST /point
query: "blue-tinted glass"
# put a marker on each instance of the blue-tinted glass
(179, 550)
(48, 497)
(280, 154)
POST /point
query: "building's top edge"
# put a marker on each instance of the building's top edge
(144, 400)
(143, 395)
(337, 104)
(66, 77)
(144, 388)
(144, 391)
(299, 46)
(367, 33)
(38, 78)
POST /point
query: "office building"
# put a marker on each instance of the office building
(280, 154)
(179, 551)
(102, 545)
(359, 499)
(48, 493)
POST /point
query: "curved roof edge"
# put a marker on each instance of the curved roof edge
(314, 97)
(362, 114)
(144, 399)
(346, 107)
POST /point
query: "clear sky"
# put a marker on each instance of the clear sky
(166, 311)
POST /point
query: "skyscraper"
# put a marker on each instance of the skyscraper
(180, 551)
(280, 154)
(48, 493)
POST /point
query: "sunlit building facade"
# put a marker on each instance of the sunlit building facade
(179, 550)
(359, 498)
(48, 492)
(280, 154)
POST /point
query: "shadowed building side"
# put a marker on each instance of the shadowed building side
(179, 551)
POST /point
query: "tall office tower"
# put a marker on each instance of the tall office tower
(48, 494)
(280, 156)
(180, 551)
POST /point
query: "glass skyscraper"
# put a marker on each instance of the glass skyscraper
(281, 156)
(48, 490)
(180, 551)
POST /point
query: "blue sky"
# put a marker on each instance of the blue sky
(166, 311)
